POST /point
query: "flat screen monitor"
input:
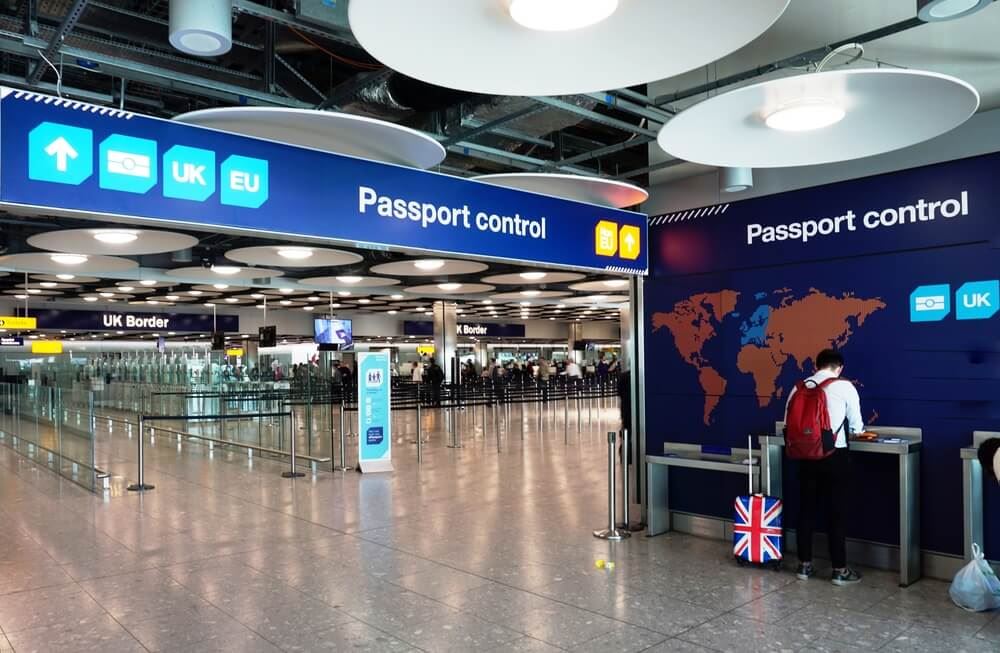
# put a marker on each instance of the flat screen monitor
(333, 332)
(267, 337)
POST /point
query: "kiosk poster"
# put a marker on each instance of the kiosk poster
(374, 413)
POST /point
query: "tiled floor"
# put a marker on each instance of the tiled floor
(471, 551)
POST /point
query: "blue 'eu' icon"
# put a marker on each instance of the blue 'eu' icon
(60, 153)
(930, 303)
(244, 181)
(188, 173)
(128, 164)
(977, 300)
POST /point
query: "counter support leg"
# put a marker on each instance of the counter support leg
(972, 504)
(909, 519)
(657, 500)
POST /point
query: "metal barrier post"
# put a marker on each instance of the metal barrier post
(292, 473)
(626, 523)
(579, 416)
(141, 486)
(343, 445)
(566, 419)
(611, 532)
(496, 424)
(420, 438)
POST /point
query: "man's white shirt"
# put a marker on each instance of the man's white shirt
(842, 402)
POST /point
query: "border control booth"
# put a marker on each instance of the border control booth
(736, 307)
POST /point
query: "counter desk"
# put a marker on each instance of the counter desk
(972, 492)
(905, 443)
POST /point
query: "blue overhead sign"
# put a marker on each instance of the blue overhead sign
(127, 321)
(70, 156)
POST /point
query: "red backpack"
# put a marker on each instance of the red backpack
(808, 434)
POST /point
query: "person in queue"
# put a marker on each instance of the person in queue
(829, 476)
(435, 377)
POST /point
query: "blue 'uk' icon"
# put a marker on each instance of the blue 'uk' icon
(244, 182)
(128, 164)
(188, 173)
(60, 153)
(977, 300)
(930, 303)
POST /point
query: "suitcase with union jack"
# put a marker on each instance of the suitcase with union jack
(758, 538)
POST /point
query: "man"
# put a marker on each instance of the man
(831, 475)
(435, 377)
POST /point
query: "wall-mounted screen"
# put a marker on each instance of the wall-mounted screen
(333, 332)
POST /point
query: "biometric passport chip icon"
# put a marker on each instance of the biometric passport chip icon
(930, 303)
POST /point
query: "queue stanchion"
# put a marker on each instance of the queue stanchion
(579, 414)
(420, 438)
(566, 417)
(612, 532)
(454, 438)
(496, 426)
(141, 486)
(343, 443)
(521, 417)
(626, 523)
(292, 472)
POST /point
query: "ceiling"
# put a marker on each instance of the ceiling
(965, 48)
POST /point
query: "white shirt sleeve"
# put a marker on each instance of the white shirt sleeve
(855, 422)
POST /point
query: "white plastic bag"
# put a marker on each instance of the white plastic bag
(976, 587)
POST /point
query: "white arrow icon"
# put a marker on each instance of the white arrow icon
(61, 150)
(630, 242)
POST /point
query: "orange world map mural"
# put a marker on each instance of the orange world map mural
(782, 327)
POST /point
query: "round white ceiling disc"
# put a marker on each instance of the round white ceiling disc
(592, 190)
(608, 285)
(135, 290)
(35, 292)
(475, 45)
(42, 262)
(77, 278)
(533, 279)
(208, 276)
(339, 283)
(85, 241)
(293, 256)
(597, 300)
(212, 288)
(461, 289)
(519, 296)
(884, 110)
(288, 292)
(431, 267)
(340, 133)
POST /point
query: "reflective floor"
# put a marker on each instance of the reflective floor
(472, 550)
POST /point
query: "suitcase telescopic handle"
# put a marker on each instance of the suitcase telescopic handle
(750, 464)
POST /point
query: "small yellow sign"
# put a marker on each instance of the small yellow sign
(630, 242)
(235, 352)
(606, 238)
(18, 322)
(46, 347)
(425, 350)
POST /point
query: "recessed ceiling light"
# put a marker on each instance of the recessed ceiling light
(171, 333)
(115, 236)
(285, 302)
(396, 297)
(364, 301)
(121, 333)
(286, 291)
(209, 304)
(65, 277)
(257, 295)
(33, 337)
(295, 253)
(449, 286)
(225, 270)
(220, 286)
(309, 308)
(391, 312)
(147, 282)
(152, 302)
(20, 296)
(48, 284)
(531, 293)
(69, 259)
(344, 293)
(429, 264)
(806, 114)
(33, 291)
(533, 276)
(525, 303)
(487, 301)
(560, 15)
(173, 298)
(616, 283)
(349, 279)
(334, 305)
(126, 288)
(90, 299)
(195, 293)
(231, 300)
(107, 294)
(314, 298)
